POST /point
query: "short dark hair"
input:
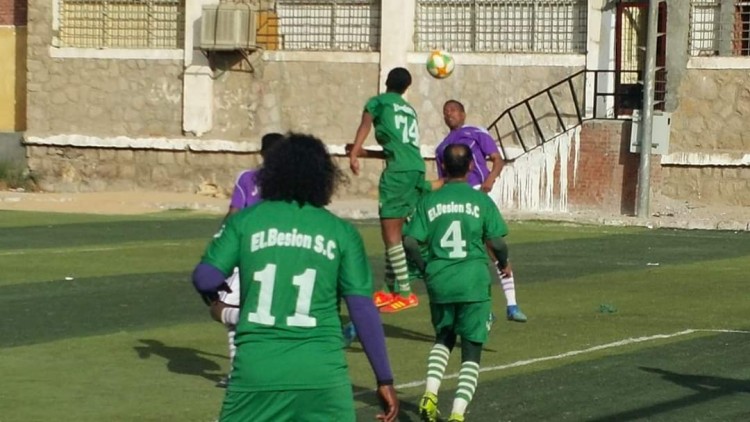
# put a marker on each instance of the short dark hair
(457, 103)
(456, 160)
(399, 79)
(299, 169)
(268, 140)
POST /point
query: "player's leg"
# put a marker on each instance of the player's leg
(399, 193)
(232, 299)
(437, 359)
(471, 325)
(512, 310)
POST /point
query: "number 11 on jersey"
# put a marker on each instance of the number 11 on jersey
(305, 283)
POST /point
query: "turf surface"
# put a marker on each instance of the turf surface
(100, 323)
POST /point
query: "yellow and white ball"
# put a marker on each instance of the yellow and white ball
(440, 64)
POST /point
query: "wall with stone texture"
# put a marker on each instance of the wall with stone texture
(97, 97)
(713, 114)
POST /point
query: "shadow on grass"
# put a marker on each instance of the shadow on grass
(182, 360)
(706, 388)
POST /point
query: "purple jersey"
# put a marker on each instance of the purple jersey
(246, 191)
(482, 146)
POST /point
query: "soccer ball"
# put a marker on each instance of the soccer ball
(440, 64)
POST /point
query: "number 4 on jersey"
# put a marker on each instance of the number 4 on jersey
(453, 242)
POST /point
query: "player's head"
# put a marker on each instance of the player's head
(457, 161)
(399, 79)
(267, 141)
(299, 169)
(454, 114)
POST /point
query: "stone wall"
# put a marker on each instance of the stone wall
(713, 114)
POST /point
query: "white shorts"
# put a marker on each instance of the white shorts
(233, 281)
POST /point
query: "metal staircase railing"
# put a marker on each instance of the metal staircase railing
(559, 108)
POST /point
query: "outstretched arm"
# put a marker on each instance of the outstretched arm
(369, 327)
(359, 139)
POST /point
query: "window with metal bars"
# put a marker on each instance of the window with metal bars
(132, 24)
(509, 26)
(719, 28)
(332, 25)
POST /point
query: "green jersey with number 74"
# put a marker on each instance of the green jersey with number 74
(397, 131)
(295, 264)
(454, 223)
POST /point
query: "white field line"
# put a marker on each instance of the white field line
(619, 343)
(143, 245)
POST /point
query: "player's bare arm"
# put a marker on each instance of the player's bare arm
(497, 167)
(359, 139)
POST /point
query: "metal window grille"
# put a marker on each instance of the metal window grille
(153, 24)
(510, 26)
(719, 29)
(332, 25)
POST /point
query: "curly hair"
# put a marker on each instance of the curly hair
(299, 169)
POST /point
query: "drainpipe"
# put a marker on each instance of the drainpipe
(647, 114)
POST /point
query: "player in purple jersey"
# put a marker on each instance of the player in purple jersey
(482, 147)
(246, 194)
(246, 191)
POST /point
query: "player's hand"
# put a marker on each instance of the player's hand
(389, 403)
(354, 164)
(506, 272)
(216, 309)
(487, 185)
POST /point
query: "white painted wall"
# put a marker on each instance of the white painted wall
(198, 84)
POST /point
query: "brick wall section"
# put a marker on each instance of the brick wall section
(13, 12)
(607, 177)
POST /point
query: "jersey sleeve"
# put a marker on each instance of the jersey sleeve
(224, 250)
(493, 224)
(417, 227)
(373, 107)
(238, 194)
(486, 143)
(355, 275)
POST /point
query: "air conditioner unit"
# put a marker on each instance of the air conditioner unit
(228, 26)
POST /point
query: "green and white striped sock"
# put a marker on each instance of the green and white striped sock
(468, 377)
(437, 360)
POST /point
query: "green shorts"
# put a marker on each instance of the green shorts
(322, 405)
(399, 192)
(467, 319)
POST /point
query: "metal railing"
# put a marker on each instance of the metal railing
(559, 108)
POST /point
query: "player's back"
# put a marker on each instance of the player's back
(289, 333)
(459, 219)
(397, 131)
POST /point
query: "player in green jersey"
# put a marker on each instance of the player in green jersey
(401, 183)
(455, 223)
(296, 260)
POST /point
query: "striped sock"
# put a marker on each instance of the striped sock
(437, 360)
(509, 288)
(390, 277)
(397, 257)
(468, 377)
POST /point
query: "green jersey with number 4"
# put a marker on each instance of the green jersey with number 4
(454, 222)
(397, 131)
(295, 264)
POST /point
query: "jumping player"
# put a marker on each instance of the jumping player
(401, 183)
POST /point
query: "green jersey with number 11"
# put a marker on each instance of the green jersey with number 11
(397, 131)
(295, 264)
(454, 223)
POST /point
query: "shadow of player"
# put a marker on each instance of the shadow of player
(182, 360)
